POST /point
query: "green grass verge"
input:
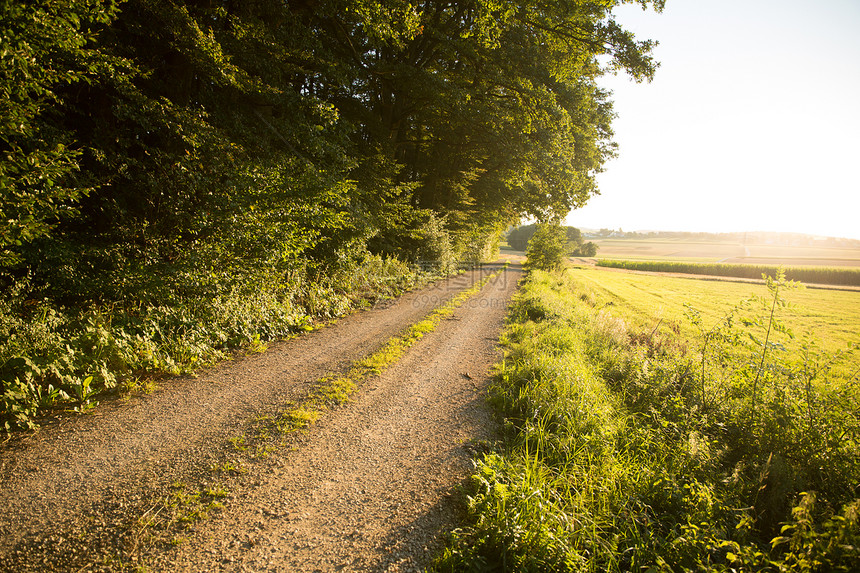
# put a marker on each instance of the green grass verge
(620, 456)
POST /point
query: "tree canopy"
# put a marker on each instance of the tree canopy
(156, 138)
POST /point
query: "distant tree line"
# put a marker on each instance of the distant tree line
(570, 240)
(747, 238)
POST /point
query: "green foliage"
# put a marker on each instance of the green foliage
(587, 249)
(619, 457)
(435, 246)
(44, 47)
(177, 178)
(518, 238)
(813, 275)
(548, 247)
(52, 358)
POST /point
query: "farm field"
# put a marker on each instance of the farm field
(727, 252)
(832, 316)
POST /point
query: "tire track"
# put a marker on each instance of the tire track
(373, 486)
(72, 492)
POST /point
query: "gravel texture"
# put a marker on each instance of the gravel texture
(189, 479)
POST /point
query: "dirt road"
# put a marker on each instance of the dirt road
(165, 481)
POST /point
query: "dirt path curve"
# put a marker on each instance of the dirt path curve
(75, 495)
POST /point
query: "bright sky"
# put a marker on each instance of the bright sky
(752, 122)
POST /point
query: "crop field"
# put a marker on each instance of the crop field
(667, 249)
(728, 252)
(812, 275)
(832, 316)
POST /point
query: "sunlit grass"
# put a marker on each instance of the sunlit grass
(831, 316)
(619, 456)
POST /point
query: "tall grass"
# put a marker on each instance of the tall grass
(614, 461)
(814, 275)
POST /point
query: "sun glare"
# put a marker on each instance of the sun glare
(758, 133)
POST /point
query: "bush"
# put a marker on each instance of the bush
(436, 249)
(548, 247)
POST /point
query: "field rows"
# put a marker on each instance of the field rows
(693, 251)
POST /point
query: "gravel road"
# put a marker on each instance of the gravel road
(160, 480)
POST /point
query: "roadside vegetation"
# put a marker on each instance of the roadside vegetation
(845, 276)
(178, 178)
(182, 178)
(65, 357)
(729, 443)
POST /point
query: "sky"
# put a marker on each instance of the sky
(752, 122)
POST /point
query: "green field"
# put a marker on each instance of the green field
(629, 446)
(832, 316)
(820, 253)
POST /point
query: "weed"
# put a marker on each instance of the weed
(229, 466)
(299, 418)
(238, 443)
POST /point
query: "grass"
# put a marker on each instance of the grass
(179, 510)
(619, 456)
(645, 300)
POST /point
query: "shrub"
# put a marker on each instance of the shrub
(548, 247)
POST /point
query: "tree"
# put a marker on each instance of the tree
(588, 249)
(160, 138)
(45, 46)
(548, 247)
(519, 237)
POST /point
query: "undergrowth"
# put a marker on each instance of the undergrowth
(53, 357)
(624, 453)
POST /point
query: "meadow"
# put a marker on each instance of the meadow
(832, 316)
